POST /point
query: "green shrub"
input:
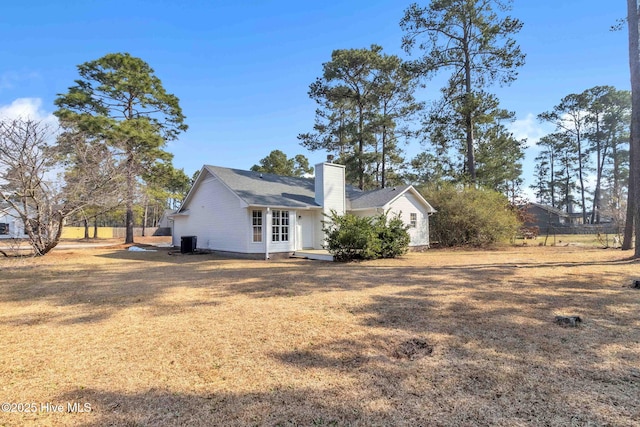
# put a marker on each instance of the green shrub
(469, 216)
(393, 236)
(350, 237)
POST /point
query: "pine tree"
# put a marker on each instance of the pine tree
(119, 100)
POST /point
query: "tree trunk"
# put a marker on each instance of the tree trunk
(86, 228)
(553, 179)
(44, 246)
(595, 211)
(601, 157)
(471, 160)
(95, 227)
(616, 180)
(581, 179)
(360, 148)
(627, 239)
(129, 202)
(144, 220)
(156, 219)
(567, 191)
(633, 207)
(468, 113)
(384, 155)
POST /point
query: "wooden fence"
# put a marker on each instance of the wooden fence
(105, 232)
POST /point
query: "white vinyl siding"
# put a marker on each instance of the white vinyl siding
(329, 193)
(408, 205)
(330, 187)
(10, 225)
(217, 218)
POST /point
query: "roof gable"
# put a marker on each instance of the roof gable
(7, 209)
(265, 189)
(550, 209)
(383, 197)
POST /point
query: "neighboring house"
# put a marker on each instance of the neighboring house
(547, 217)
(11, 225)
(260, 214)
(165, 220)
(165, 223)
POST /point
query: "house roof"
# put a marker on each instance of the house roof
(550, 209)
(376, 198)
(266, 189)
(5, 207)
(383, 197)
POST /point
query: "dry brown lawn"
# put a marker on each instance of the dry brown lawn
(152, 339)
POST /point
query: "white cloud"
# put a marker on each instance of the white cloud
(28, 108)
(530, 129)
(528, 193)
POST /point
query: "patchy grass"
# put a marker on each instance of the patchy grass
(438, 338)
(587, 240)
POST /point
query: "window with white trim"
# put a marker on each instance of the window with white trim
(256, 221)
(4, 228)
(280, 226)
(413, 220)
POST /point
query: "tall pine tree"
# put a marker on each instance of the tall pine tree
(473, 42)
(118, 99)
(364, 98)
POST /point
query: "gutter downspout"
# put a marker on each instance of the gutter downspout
(294, 228)
(267, 234)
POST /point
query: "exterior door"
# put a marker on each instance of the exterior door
(305, 229)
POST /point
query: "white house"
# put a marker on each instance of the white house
(165, 220)
(260, 214)
(11, 225)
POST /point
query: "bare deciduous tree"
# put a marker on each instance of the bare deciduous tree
(33, 185)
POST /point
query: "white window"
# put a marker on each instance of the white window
(413, 220)
(257, 226)
(280, 226)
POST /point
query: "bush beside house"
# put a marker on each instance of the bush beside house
(470, 216)
(351, 237)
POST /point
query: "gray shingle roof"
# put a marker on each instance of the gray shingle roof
(265, 189)
(375, 198)
(551, 209)
(4, 206)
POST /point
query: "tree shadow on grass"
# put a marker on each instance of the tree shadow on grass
(142, 279)
(276, 407)
(160, 254)
(497, 348)
(498, 359)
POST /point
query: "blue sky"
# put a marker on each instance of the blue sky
(242, 69)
